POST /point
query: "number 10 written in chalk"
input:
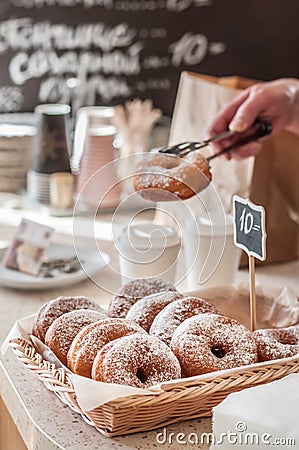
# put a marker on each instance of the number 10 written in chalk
(249, 227)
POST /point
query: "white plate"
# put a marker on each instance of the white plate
(94, 261)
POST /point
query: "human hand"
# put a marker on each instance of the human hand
(275, 101)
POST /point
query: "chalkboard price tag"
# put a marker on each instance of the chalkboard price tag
(249, 227)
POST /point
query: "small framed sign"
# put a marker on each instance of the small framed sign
(250, 235)
(249, 227)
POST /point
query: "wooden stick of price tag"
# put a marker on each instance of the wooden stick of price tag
(250, 235)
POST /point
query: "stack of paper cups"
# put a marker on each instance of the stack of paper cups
(88, 117)
(50, 150)
(97, 183)
(38, 186)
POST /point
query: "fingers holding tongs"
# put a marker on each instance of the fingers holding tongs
(234, 139)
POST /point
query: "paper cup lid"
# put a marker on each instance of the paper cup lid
(107, 112)
(14, 130)
(147, 235)
(216, 224)
(53, 109)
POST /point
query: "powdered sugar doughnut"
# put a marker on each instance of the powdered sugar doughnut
(134, 291)
(137, 360)
(210, 342)
(160, 176)
(63, 330)
(277, 343)
(92, 338)
(55, 308)
(145, 310)
(166, 322)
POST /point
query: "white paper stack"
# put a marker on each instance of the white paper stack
(261, 417)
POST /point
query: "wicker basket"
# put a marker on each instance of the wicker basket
(183, 400)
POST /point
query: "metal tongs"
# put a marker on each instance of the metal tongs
(236, 139)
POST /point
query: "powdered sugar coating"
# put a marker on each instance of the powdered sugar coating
(55, 308)
(145, 310)
(92, 338)
(63, 330)
(167, 321)
(134, 291)
(277, 343)
(210, 342)
(137, 360)
(159, 174)
(80, 338)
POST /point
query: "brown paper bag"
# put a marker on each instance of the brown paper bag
(275, 185)
(271, 180)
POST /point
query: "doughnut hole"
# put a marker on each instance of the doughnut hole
(218, 351)
(141, 375)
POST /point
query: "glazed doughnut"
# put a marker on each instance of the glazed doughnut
(145, 310)
(210, 342)
(133, 291)
(277, 343)
(162, 177)
(63, 330)
(166, 322)
(92, 338)
(136, 360)
(55, 308)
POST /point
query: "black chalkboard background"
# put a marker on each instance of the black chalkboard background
(255, 39)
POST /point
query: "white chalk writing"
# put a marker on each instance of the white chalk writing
(71, 3)
(155, 62)
(215, 48)
(190, 49)
(181, 5)
(159, 84)
(23, 34)
(24, 67)
(55, 89)
(118, 5)
(107, 60)
(11, 98)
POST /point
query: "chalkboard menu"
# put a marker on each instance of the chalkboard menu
(87, 52)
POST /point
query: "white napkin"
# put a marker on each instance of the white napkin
(260, 417)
